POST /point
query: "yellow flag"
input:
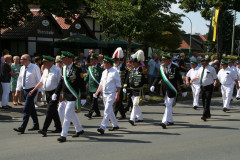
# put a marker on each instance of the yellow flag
(214, 23)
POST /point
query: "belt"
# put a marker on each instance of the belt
(28, 89)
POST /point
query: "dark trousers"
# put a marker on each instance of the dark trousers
(29, 108)
(206, 99)
(129, 100)
(94, 105)
(52, 112)
(118, 106)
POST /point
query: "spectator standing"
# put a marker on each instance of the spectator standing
(16, 70)
(5, 80)
(152, 72)
(82, 62)
(87, 62)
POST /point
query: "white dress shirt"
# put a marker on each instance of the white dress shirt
(33, 76)
(209, 75)
(51, 78)
(192, 73)
(227, 76)
(234, 69)
(110, 80)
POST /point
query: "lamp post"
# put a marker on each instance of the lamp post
(233, 34)
(190, 34)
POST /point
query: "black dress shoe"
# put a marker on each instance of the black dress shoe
(44, 133)
(228, 109)
(170, 123)
(163, 125)
(122, 117)
(139, 121)
(195, 107)
(114, 128)
(8, 106)
(20, 104)
(88, 115)
(204, 118)
(34, 128)
(62, 139)
(4, 107)
(78, 133)
(237, 98)
(57, 131)
(97, 115)
(21, 130)
(224, 109)
(100, 130)
(131, 122)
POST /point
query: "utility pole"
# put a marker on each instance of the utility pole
(233, 34)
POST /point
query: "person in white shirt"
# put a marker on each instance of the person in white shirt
(194, 82)
(231, 66)
(49, 80)
(238, 77)
(207, 75)
(110, 85)
(227, 77)
(29, 77)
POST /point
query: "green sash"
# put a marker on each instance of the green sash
(90, 71)
(78, 105)
(169, 84)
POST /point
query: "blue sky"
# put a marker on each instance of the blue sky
(198, 23)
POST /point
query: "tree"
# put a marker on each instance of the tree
(136, 19)
(205, 6)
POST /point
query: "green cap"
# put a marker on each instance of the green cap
(166, 56)
(48, 58)
(224, 62)
(192, 61)
(108, 60)
(231, 61)
(93, 56)
(66, 54)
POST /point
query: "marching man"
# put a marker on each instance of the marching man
(135, 83)
(93, 78)
(194, 82)
(110, 85)
(171, 83)
(227, 77)
(238, 76)
(73, 86)
(118, 57)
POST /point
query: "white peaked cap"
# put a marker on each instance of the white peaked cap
(139, 55)
(118, 53)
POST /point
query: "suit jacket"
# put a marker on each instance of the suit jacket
(97, 73)
(75, 79)
(174, 76)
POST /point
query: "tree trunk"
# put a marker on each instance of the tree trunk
(129, 46)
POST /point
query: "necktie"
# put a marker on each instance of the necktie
(202, 76)
(45, 84)
(24, 76)
(105, 82)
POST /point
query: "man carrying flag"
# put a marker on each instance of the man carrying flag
(74, 94)
(171, 81)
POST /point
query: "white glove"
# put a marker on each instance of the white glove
(124, 90)
(94, 95)
(184, 94)
(54, 97)
(152, 88)
(83, 101)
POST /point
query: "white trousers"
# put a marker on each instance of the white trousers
(61, 109)
(227, 92)
(5, 95)
(238, 91)
(70, 116)
(136, 110)
(108, 100)
(167, 117)
(196, 90)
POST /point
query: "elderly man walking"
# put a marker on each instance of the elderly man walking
(29, 77)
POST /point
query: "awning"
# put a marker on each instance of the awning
(80, 41)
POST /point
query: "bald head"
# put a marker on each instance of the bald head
(25, 59)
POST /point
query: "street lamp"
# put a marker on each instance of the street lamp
(190, 35)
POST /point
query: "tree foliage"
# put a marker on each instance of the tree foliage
(144, 20)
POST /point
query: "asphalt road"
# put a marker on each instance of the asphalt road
(189, 139)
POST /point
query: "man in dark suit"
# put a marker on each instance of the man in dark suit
(74, 93)
(172, 82)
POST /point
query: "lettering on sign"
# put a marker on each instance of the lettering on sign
(45, 32)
